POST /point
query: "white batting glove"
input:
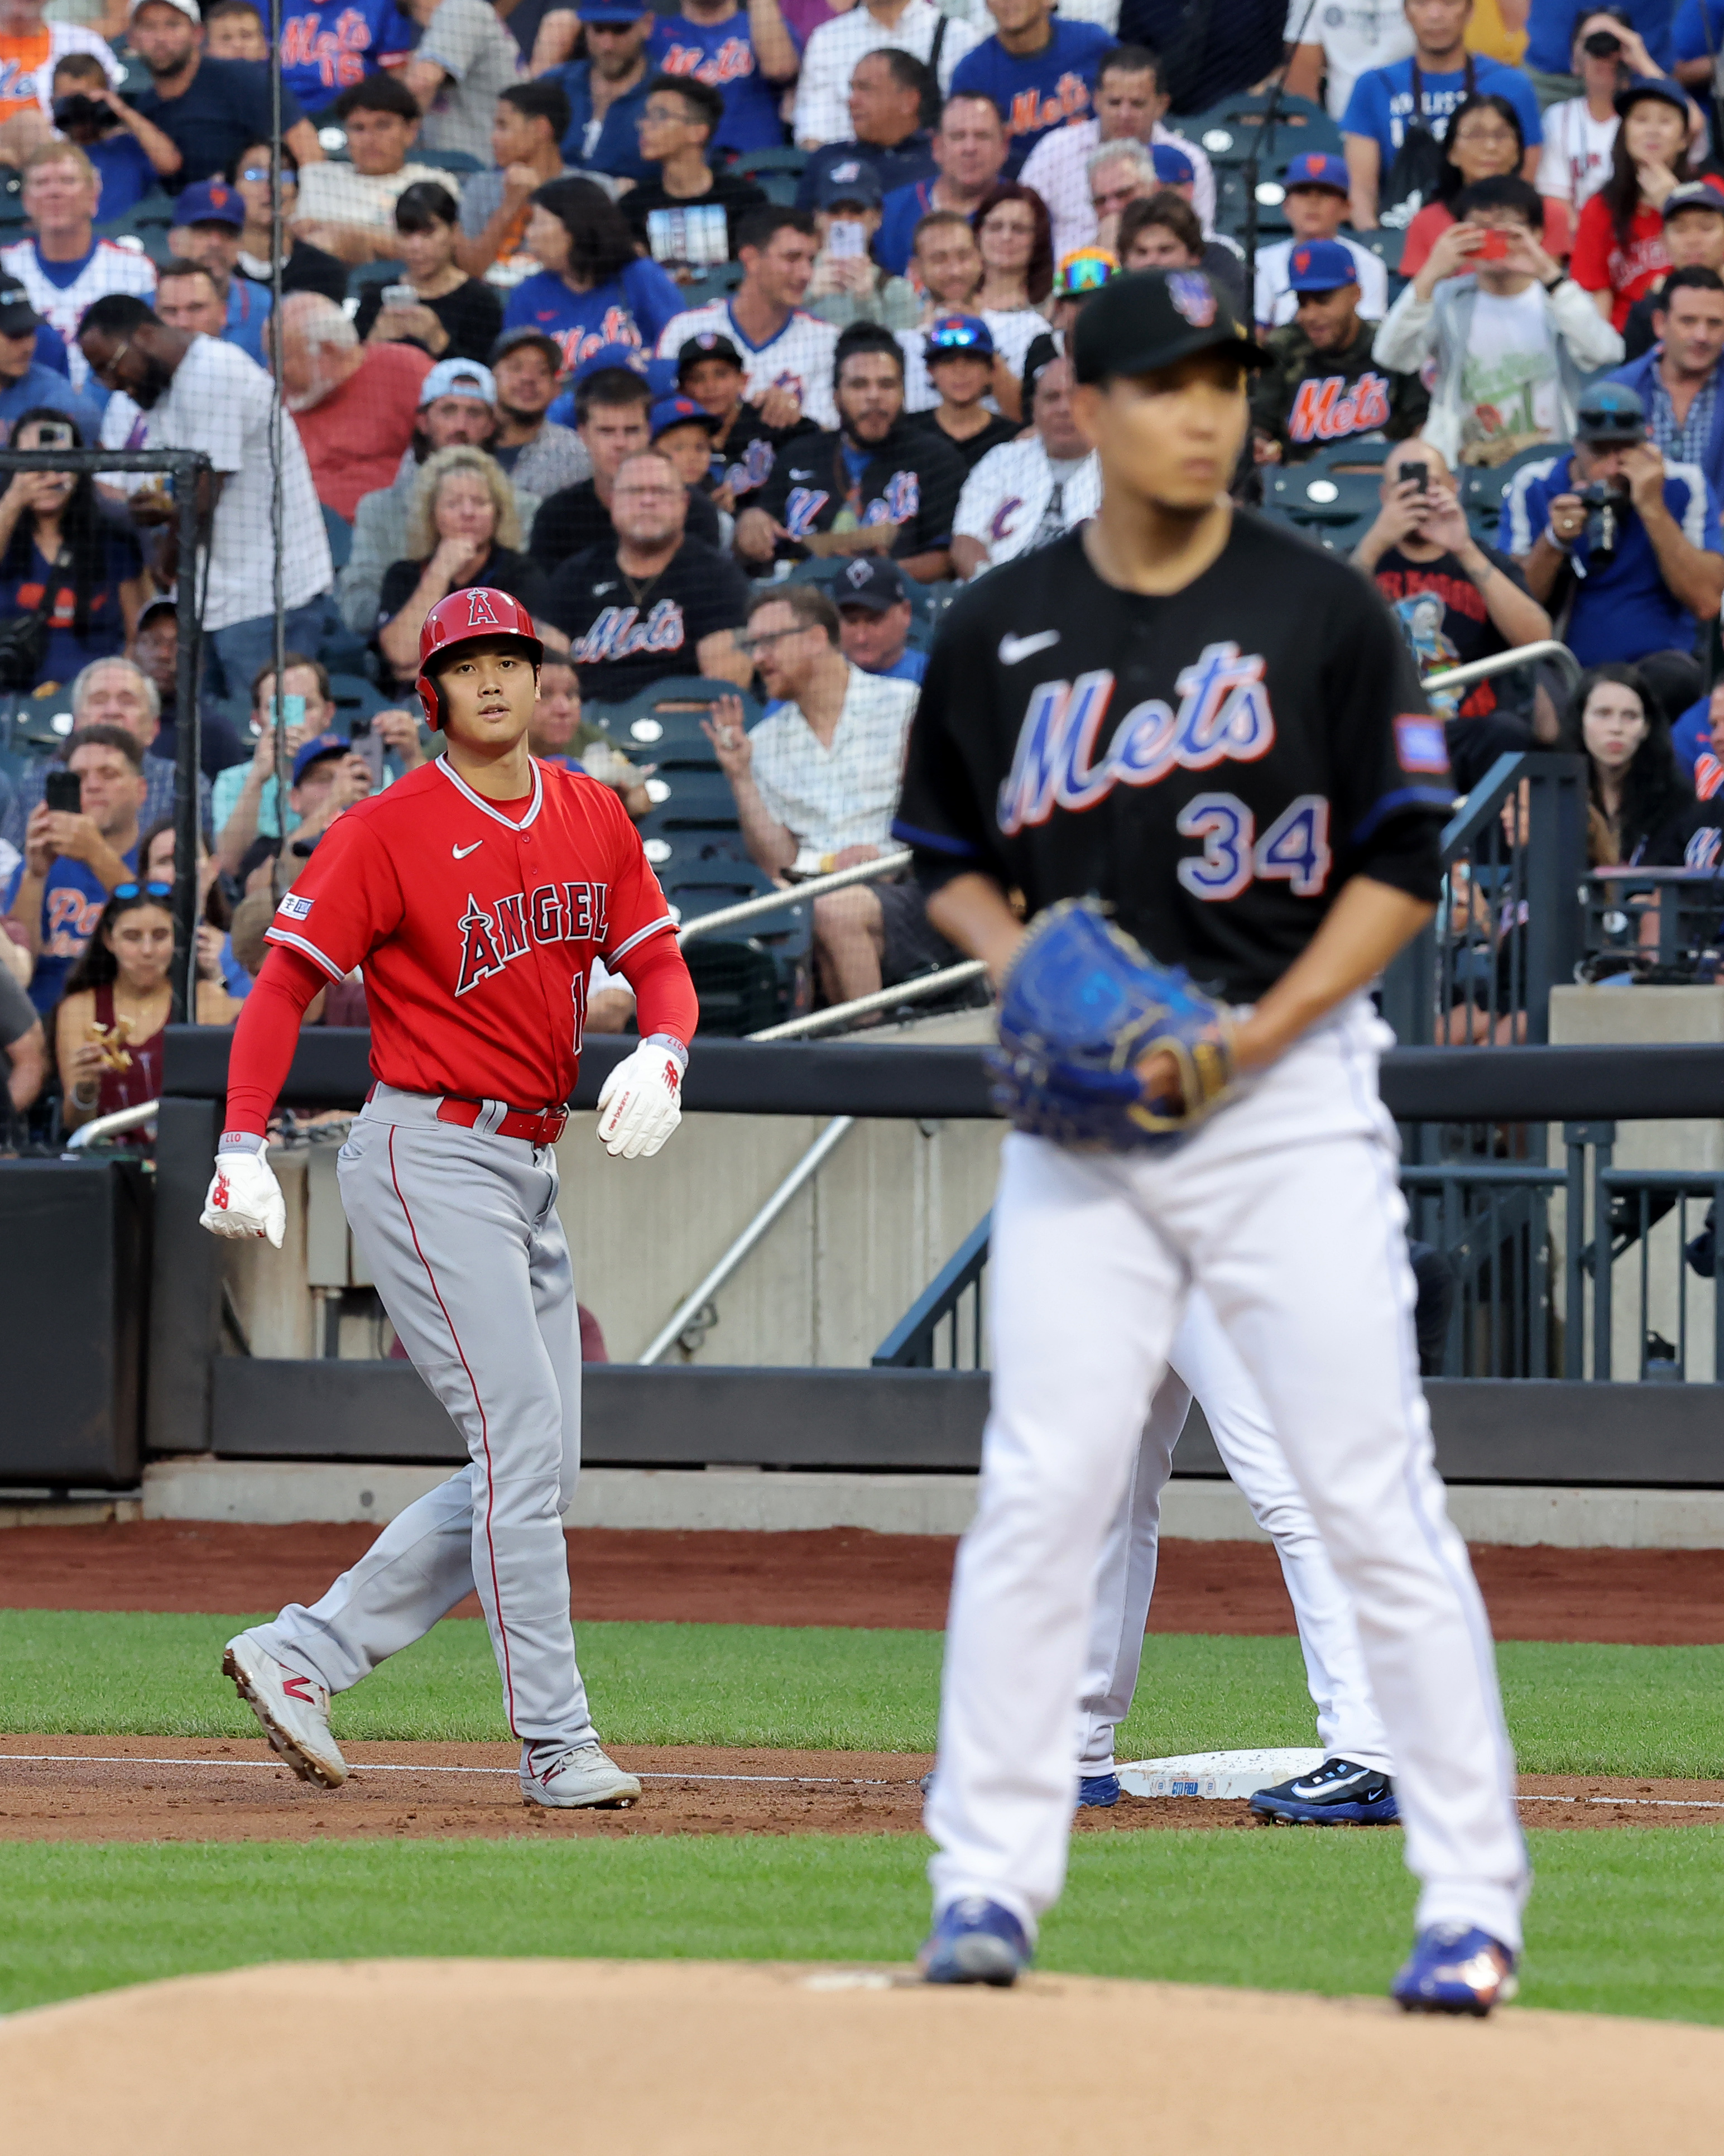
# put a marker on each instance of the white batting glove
(639, 1104)
(244, 1199)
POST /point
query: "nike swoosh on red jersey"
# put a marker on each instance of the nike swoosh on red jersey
(461, 853)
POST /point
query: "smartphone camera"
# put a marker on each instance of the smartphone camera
(62, 792)
(399, 296)
(1495, 247)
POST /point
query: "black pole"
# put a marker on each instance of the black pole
(1272, 105)
(276, 717)
(188, 747)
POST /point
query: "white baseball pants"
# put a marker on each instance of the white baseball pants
(1204, 1362)
(1285, 1210)
(461, 1235)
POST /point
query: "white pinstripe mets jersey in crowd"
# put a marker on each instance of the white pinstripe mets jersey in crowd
(798, 358)
(829, 799)
(110, 269)
(1011, 492)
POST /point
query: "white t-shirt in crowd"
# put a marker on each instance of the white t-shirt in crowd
(1276, 303)
(110, 268)
(1508, 380)
(1006, 497)
(1354, 35)
(1576, 162)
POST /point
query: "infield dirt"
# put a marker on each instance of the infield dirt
(143, 1788)
(842, 1576)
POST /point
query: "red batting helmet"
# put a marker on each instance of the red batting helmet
(478, 611)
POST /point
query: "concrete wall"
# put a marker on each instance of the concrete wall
(1593, 1017)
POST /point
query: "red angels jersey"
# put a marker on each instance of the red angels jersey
(477, 925)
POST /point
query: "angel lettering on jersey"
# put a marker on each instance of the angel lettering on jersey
(553, 913)
(1223, 715)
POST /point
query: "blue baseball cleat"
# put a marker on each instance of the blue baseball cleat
(1098, 1792)
(1455, 1969)
(1337, 1793)
(974, 1941)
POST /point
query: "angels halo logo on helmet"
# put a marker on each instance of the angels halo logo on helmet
(463, 616)
(1193, 296)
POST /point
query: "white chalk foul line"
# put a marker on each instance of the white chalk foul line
(390, 1766)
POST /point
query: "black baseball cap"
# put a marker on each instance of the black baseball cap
(873, 580)
(17, 317)
(708, 345)
(541, 339)
(1152, 318)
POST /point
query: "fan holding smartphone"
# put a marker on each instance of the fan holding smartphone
(71, 585)
(81, 846)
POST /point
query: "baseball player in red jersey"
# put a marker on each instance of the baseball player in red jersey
(476, 892)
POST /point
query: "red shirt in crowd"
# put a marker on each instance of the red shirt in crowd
(1600, 263)
(354, 438)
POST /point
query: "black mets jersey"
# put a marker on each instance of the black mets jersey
(1215, 763)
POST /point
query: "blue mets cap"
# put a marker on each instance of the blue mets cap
(628, 356)
(959, 336)
(611, 11)
(851, 180)
(1311, 169)
(1172, 167)
(1321, 265)
(314, 751)
(679, 412)
(209, 202)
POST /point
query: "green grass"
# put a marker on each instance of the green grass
(1654, 1711)
(1627, 1922)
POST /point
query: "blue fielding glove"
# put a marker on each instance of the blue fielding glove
(1082, 1009)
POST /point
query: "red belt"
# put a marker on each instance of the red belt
(543, 1127)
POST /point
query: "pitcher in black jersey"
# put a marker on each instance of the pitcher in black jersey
(1200, 717)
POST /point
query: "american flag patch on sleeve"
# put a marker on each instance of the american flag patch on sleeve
(1419, 744)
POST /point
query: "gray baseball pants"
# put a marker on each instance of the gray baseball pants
(461, 1235)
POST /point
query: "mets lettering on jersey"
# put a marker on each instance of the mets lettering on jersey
(620, 632)
(336, 53)
(1033, 114)
(730, 63)
(1327, 408)
(1224, 714)
(554, 913)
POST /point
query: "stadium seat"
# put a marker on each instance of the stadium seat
(1231, 204)
(12, 198)
(751, 163)
(716, 284)
(1483, 487)
(1385, 243)
(760, 974)
(341, 537)
(354, 697)
(661, 725)
(1228, 131)
(447, 161)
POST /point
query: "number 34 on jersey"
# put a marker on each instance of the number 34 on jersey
(1224, 715)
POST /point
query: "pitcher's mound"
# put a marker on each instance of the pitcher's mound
(458, 2058)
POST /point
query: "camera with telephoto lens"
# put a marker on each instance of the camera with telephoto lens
(79, 111)
(1605, 501)
(1602, 45)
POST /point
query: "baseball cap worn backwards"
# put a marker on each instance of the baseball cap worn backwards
(458, 378)
(1172, 167)
(1148, 319)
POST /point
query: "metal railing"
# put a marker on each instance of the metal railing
(1641, 919)
(1581, 1270)
(1510, 924)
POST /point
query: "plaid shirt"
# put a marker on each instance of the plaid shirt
(1685, 445)
(829, 799)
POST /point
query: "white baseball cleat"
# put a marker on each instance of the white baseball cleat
(293, 1709)
(585, 1777)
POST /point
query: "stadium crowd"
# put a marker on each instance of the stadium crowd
(731, 342)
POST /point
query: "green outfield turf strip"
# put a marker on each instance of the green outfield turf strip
(1656, 1711)
(1625, 1921)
